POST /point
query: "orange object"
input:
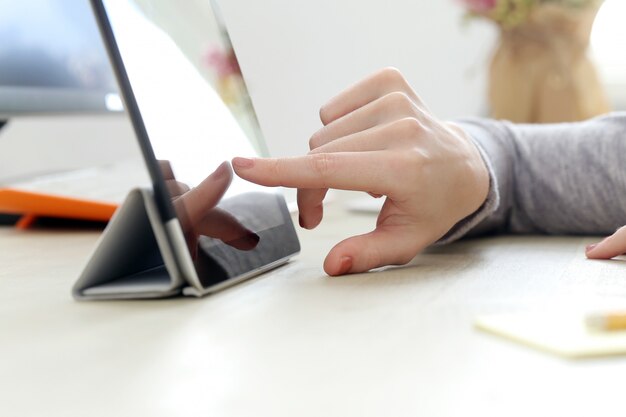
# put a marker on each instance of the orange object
(33, 205)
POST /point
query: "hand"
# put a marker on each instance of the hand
(610, 247)
(379, 137)
(195, 208)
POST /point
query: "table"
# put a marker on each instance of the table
(295, 342)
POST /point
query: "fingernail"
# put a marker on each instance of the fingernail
(301, 221)
(591, 247)
(243, 162)
(345, 265)
(221, 170)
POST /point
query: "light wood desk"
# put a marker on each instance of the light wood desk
(298, 343)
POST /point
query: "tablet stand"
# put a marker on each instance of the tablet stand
(133, 258)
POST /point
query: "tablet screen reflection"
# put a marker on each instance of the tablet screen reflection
(198, 116)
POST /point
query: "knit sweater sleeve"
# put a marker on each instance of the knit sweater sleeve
(567, 178)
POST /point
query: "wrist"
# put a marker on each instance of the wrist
(479, 207)
(475, 174)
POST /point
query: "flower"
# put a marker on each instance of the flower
(480, 6)
(222, 61)
(510, 13)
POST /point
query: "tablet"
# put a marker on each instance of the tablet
(191, 114)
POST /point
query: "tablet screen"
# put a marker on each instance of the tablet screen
(183, 77)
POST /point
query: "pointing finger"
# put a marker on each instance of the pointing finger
(360, 171)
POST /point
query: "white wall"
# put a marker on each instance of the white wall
(608, 41)
(297, 54)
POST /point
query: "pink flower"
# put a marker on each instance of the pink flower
(479, 6)
(223, 62)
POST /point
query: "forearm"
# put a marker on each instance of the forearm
(558, 179)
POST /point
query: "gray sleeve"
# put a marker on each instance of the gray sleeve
(565, 178)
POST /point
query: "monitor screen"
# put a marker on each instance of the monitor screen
(52, 59)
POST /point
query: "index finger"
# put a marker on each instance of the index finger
(371, 171)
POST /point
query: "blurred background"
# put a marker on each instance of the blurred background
(296, 55)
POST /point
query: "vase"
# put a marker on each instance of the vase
(540, 71)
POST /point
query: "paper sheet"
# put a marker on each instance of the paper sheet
(561, 334)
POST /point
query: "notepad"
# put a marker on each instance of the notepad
(557, 333)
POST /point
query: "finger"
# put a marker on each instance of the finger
(361, 171)
(222, 225)
(377, 138)
(176, 188)
(199, 200)
(388, 108)
(610, 247)
(311, 206)
(166, 170)
(371, 88)
(383, 246)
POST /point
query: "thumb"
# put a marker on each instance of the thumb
(610, 247)
(383, 246)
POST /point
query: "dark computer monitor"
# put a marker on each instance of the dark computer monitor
(59, 104)
(52, 60)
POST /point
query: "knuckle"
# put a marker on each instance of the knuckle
(322, 165)
(399, 102)
(320, 138)
(315, 140)
(275, 168)
(324, 115)
(409, 126)
(620, 232)
(391, 75)
(410, 165)
(402, 170)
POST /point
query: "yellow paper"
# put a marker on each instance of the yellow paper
(561, 334)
